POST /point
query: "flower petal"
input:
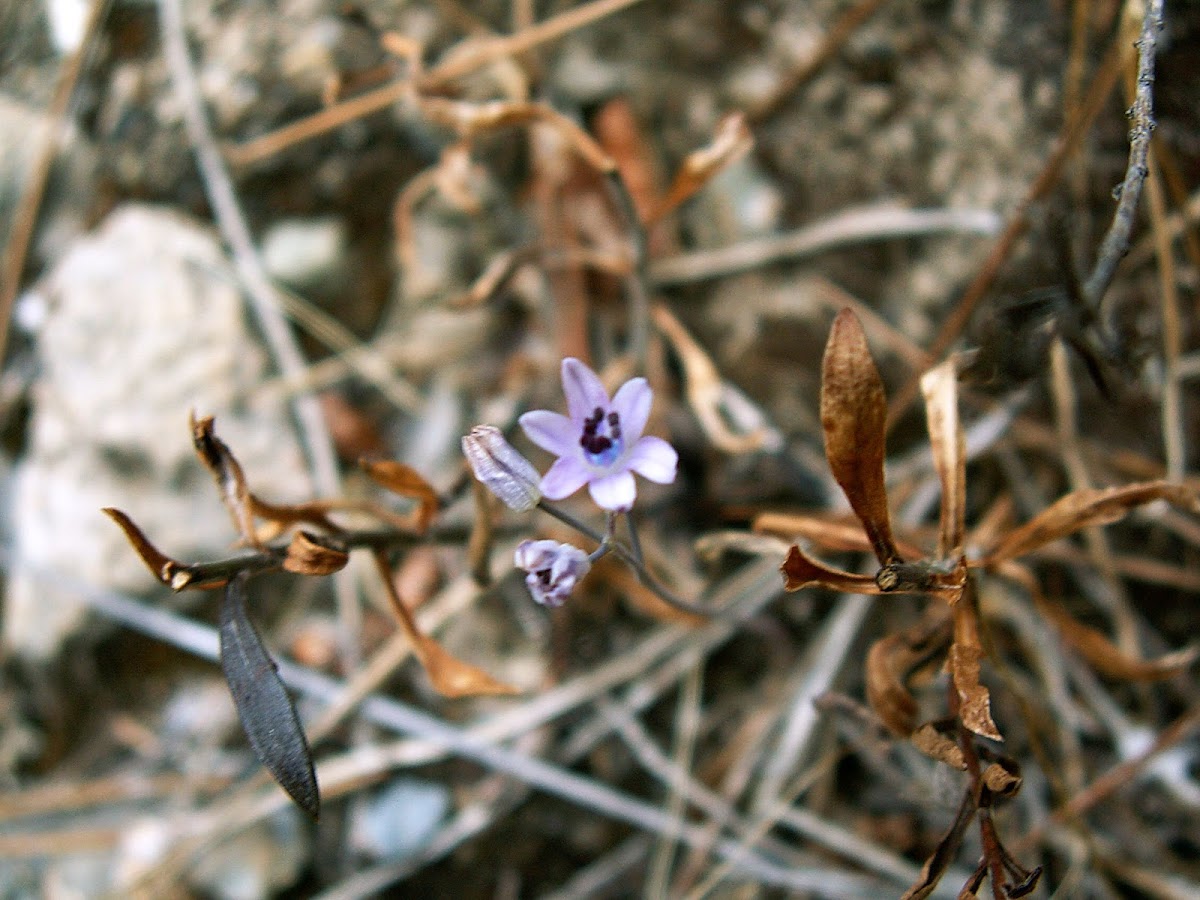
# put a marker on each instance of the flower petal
(654, 459)
(551, 431)
(583, 389)
(564, 478)
(632, 404)
(614, 492)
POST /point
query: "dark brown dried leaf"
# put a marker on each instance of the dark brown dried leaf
(854, 418)
(1083, 509)
(801, 571)
(308, 555)
(263, 705)
(939, 861)
(940, 387)
(161, 566)
(227, 472)
(406, 482)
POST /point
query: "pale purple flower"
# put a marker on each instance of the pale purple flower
(551, 569)
(601, 443)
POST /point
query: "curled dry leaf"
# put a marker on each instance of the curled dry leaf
(161, 566)
(801, 571)
(308, 555)
(936, 745)
(227, 472)
(890, 662)
(263, 705)
(1002, 782)
(706, 393)
(450, 676)
(964, 662)
(407, 482)
(279, 517)
(854, 418)
(730, 143)
(940, 388)
(1083, 509)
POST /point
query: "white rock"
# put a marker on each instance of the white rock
(144, 323)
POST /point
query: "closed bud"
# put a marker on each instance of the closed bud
(501, 469)
(551, 569)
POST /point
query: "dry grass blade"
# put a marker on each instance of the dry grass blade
(1083, 509)
(940, 388)
(835, 536)
(854, 417)
(307, 555)
(730, 143)
(406, 482)
(964, 661)
(450, 676)
(801, 571)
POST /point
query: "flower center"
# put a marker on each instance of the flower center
(601, 439)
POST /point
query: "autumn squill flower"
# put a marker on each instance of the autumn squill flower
(551, 569)
(600, 443)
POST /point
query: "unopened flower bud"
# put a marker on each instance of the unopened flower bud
(551, 569)
(501, 469)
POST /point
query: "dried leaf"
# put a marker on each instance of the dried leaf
(279, 517)
(730, 143)
(801, 571)
(407, 482)
(1105, 656)
(227, 472)
(1083, 509)
(936, 745)
(161, 566)
(964, 662)
(1000, 781)
(308, 555)
(263, 705)
(450, 676)
(707, 394)
(939, 861)
(940, 388)
(854, 417)
(838, 536)
(890, 662)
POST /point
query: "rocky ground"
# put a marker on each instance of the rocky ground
(356, 230)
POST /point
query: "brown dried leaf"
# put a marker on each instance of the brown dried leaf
(449, 675)
(161, 566)
(282, 516)
(307, 555)
(1105, 656)
(1083, 509)
(801, 571)
(939, 861)
(890, 662)
(829, 534)
(1000, 781)
(854, 417)
(407, 482)
(940, 388)
(963, 662)
(227, 472)
(934, 744)
(730, 143)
